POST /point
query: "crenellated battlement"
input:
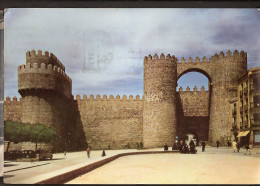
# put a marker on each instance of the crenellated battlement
(195, 89)
(14, 100)
(49, 69)
(190, 60)
(162, 57)
(45, 77)
(106, 98)
(242, 55)
(39, 58)
(236, 54)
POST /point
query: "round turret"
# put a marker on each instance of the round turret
(159, 111)
(228, 68)
(46, 92)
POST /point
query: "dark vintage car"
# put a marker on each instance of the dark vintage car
(12, 155)
(28, 154)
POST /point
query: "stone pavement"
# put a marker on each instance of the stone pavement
(33, 172)
(27, 172)
(215, 166)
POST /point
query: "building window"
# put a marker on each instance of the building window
(257, 137)
(257, 101)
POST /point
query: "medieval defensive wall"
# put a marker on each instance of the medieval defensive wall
(116, 122)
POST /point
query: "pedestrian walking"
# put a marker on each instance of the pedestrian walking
(238, 146)
(203, 144)
(217, 143)
(247, 149)
(229, 144)
(234, 145)
(64, 154)
(88, 152)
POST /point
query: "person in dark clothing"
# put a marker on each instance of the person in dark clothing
(192, 147)
(88, 152)
(217, 143)
(175, 146)
(103, 153)
(203, 144)
(229, 144)
(186, 149)
(191, 143)
(238, 146)
(165, 146)
(247, 149)
(181, 147)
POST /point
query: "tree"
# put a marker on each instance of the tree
(42, 133)
(16, 132)
(22, 132)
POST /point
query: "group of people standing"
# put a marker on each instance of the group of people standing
(183, 147)
(236, 147)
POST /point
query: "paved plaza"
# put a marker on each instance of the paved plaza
(213, 166)
(216, 166)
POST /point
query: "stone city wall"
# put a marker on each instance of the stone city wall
(194, 103)
(46, 97)
(12, 109)
(111, 122)
(193, 113)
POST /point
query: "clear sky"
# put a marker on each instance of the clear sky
(103, 49)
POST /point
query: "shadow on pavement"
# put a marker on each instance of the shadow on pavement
(53, 159)
(8, 176)
(10, 165)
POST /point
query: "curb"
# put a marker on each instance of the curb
(65, 177)
(26, 168)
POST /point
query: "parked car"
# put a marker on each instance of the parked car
(28, 154)
(12, 155)
(43, 154)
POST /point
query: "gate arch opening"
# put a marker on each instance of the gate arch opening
(194, 70)
(193, 105)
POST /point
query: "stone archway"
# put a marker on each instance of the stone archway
(193, 108)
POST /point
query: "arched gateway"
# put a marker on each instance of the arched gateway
(162, 111)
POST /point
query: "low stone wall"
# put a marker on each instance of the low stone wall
(27, 146)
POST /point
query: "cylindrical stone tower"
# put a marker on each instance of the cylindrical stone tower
(46, 93)
(159, 111)
(227, 70)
